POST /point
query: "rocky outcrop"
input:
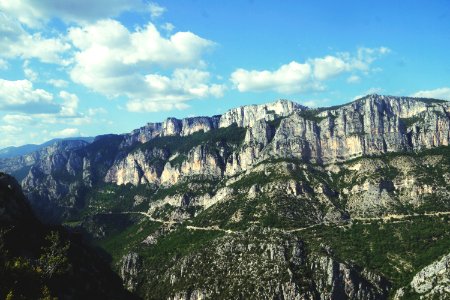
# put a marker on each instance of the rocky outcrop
(129, 270)
(432, 282)
(373, 125)
(370, 126)
(12, 165)
(247, 116)
(274, 267)
(171, 127)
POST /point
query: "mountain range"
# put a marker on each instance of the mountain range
(275, 201)
(13, 151)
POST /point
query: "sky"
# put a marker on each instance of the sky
(83, 68)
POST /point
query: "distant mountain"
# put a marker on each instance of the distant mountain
(271, 201)
(10, 152)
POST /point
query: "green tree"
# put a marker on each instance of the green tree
(54, 260)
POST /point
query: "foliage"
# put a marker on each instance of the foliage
(311, 115)
(408, 122)
(395, 249)
(54, 260)
(112, 198)
(41, 262)
(231, 135)
(129, 238)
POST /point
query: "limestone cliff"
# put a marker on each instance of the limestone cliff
(231, 144)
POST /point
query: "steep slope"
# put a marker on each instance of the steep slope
(220, 147)
(262, 201)
(432, 282)
(37, 261)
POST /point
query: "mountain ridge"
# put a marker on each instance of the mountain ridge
(315, 197)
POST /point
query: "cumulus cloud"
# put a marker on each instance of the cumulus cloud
(353, 79)
(115, 62)
(20, 96)
(9, 129)
(28, 72)
(3, 64)
(296, 77)
(11, 135)
(67, 132)
(17, 119)
(329, 66)
(32, 105)
(33, 13)
(373, 90)
(96, 111)
(169, 27)
(59, 83)
(156, 10)
(70, 104)
(17, 42)
(167, 93)
(288, 78)
(439, 93)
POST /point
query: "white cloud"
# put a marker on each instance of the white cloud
(353, 79)
(166, 93)
(373, 90)
(3, 64)
(70, 104)
(328, 67)
(169, 27)
(154, 106)
(28, 72)
(439, 93)
(16, 42)
(39, 105)
(11, 135)
(10, 129)
(17, 119)
(289, 78)
(331, 66)
(19, 95)
(59, 83)
(67, 132)
(297, 77)
(34, 13)
(156, 10)
(96, 111)
(116, 62)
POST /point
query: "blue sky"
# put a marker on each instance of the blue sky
(83, 67)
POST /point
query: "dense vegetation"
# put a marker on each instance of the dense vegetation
(49, 263)
(396, 249)
(231, 135)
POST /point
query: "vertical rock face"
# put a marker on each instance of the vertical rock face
(369, 126)
(171, 127)
(51, 155)
(129, 270)
(432, 282)
(276, 267)
(167, 152)
(137, 167)
(247, 115)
